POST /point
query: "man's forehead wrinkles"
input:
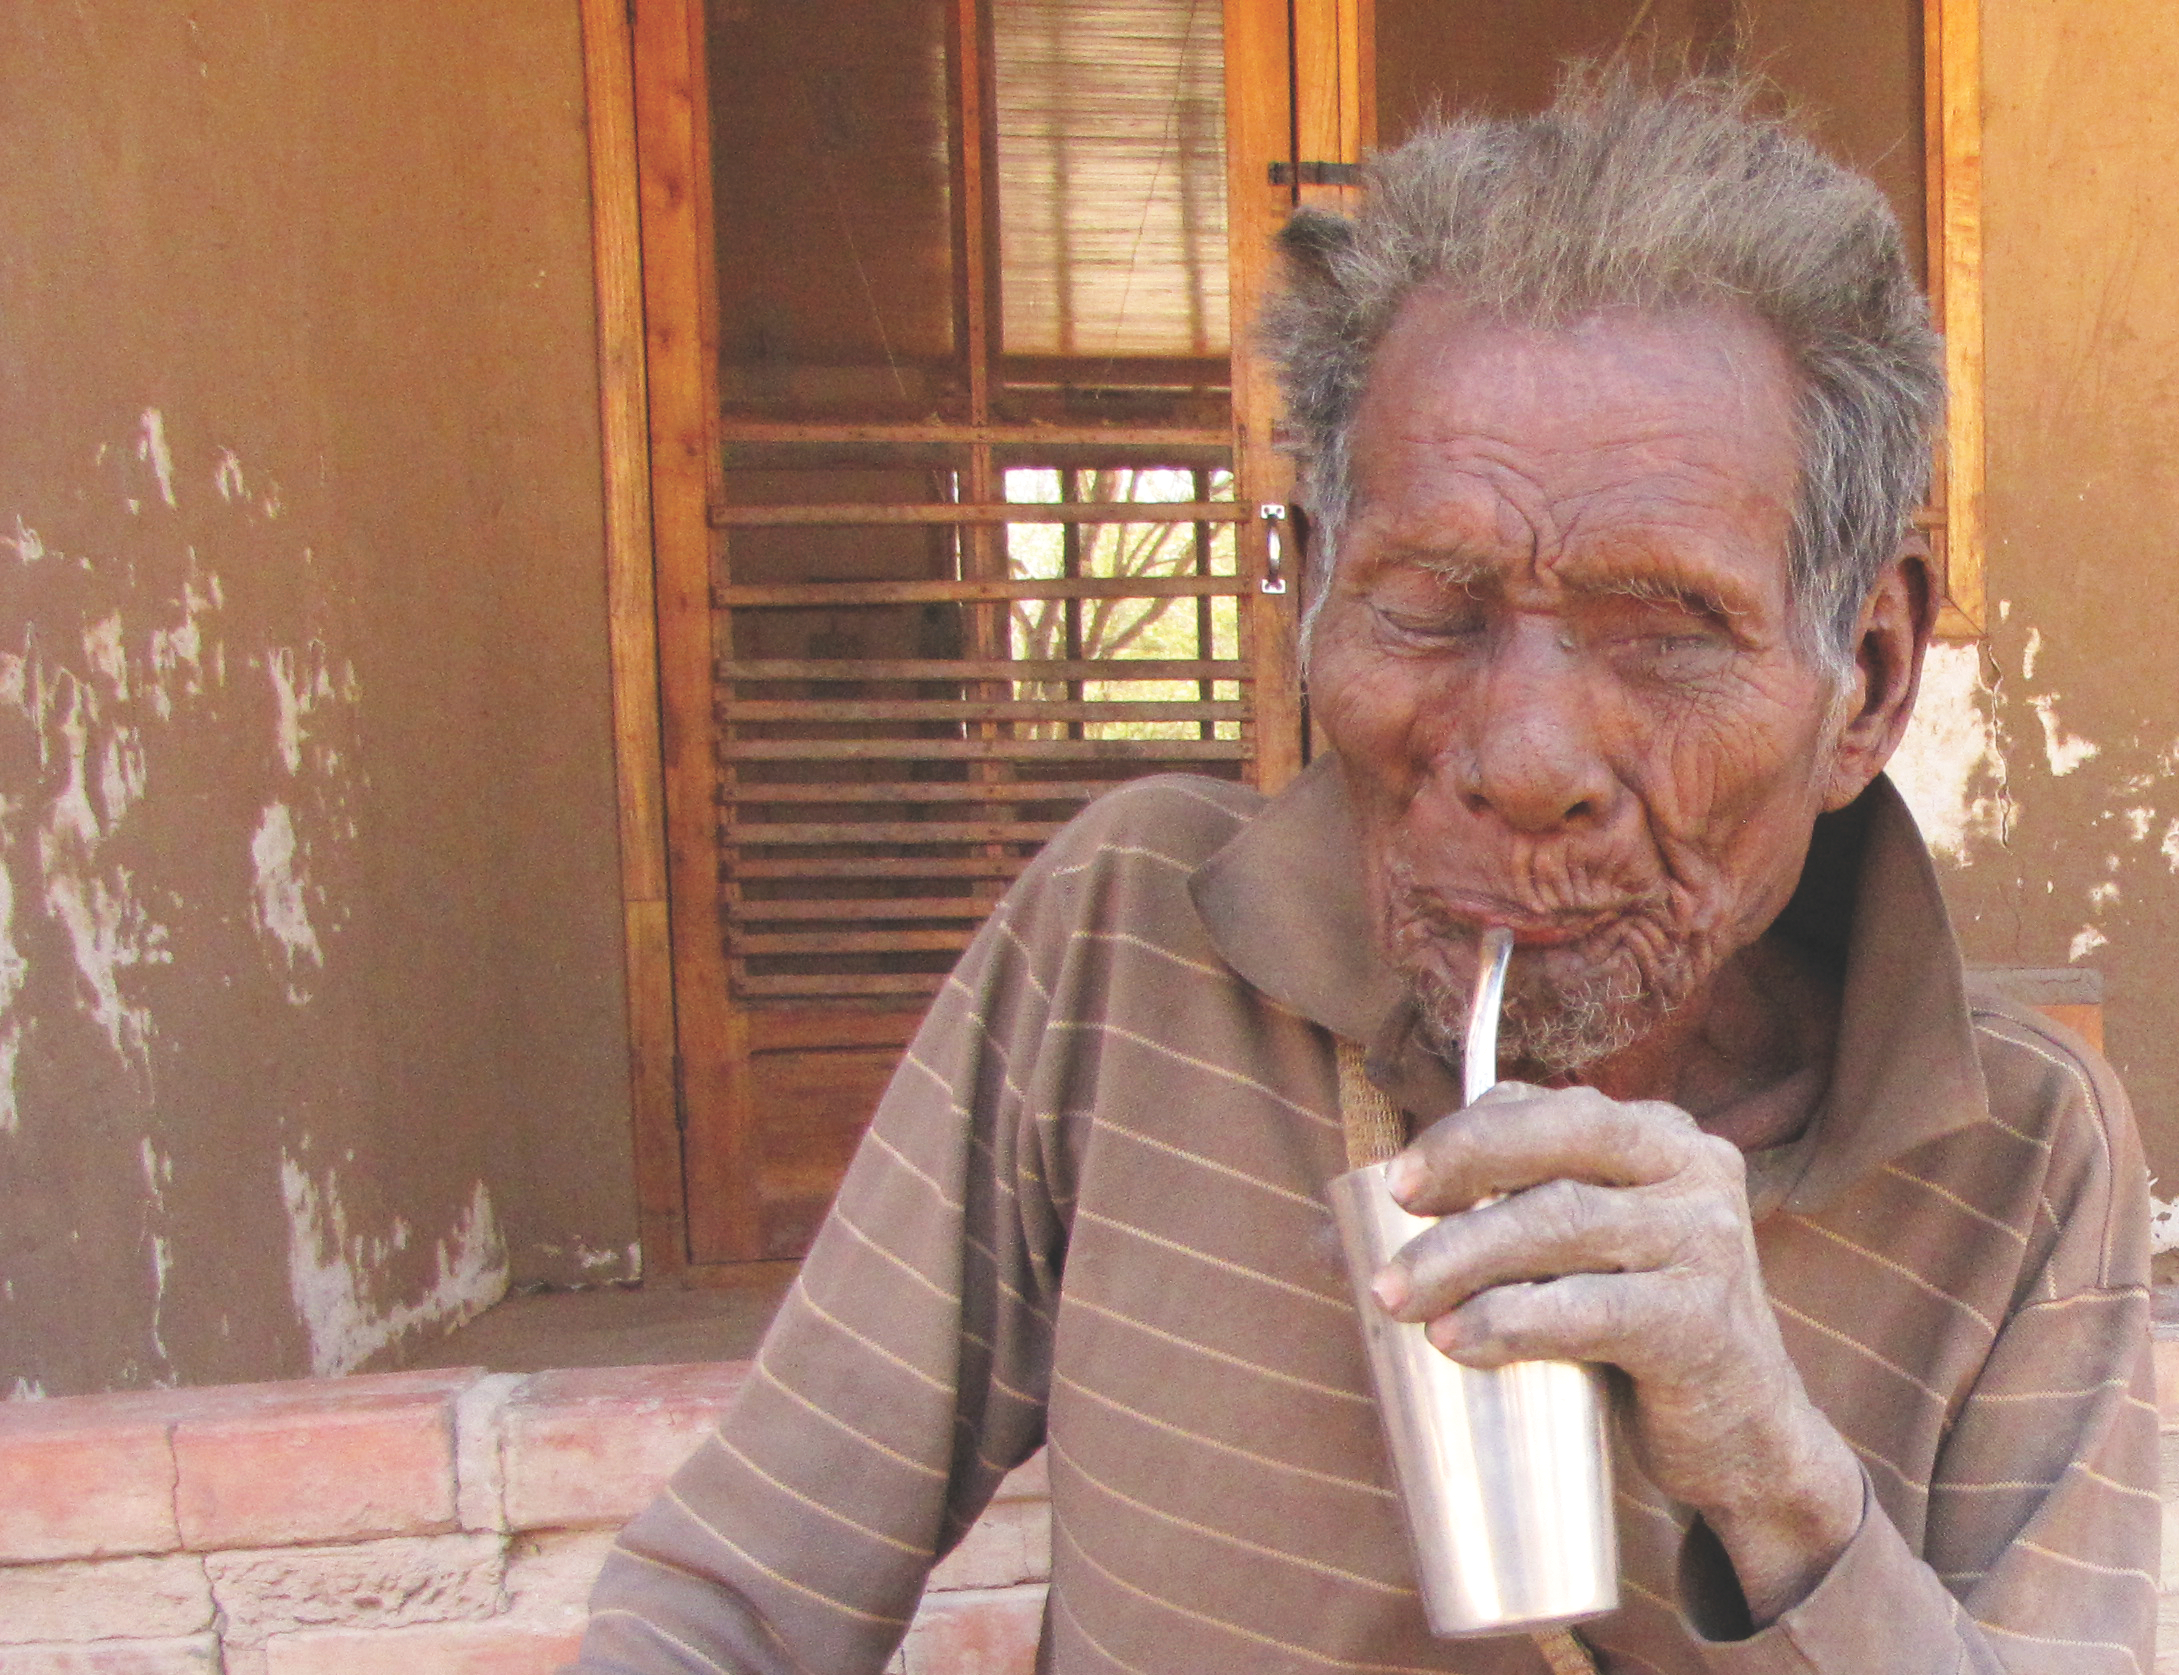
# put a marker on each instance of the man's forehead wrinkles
(1647, 524)
(1663, 460)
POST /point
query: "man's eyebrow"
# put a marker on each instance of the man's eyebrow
(1695, 588)
(1660, 579)
(1447, 565)
(1449, 562)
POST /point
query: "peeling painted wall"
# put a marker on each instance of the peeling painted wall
(311, 1021)
(2045, 765)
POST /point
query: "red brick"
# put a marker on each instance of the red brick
(443, 1649)
(593, 1445)
(976, 1634)
(336, 1459)
(552, 1571)
(390, 1583)
(105, 1599)
(85, 1477)
(198, 1654)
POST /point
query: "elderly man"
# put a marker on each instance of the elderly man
(1614, 422)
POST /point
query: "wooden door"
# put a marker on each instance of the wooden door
(959, 506)
(963, 496)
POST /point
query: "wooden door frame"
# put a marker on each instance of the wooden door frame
(657, 340)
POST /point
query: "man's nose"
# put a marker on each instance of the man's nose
(1534, 756)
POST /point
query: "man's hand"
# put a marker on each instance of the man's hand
(1625, 1239)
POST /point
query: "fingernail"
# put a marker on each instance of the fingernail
(1390, 1288)
(1402, 1176)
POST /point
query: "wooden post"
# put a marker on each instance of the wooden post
(632, 627)
(1259, 132)
(1952, 115)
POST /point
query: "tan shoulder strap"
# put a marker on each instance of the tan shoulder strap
(1376, 1130)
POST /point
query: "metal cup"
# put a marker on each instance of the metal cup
(1504, 1473)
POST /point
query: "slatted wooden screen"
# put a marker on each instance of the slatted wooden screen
(875, 801)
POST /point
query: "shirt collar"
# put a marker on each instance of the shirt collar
(1284, 903)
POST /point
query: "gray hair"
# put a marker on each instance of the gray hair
(1622, 196)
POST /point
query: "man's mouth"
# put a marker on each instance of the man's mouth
(1531, 927)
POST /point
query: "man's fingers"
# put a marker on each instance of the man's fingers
(1560, 1227)
(1580, 1317)
(1516, 1137)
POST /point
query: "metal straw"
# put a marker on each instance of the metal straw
(1479, 1054)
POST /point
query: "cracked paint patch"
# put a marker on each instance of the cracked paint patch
(289, 909)
(176, 655)
(1949, 766)
(279, 907)
(303, 682)
(14, 970)
(152, 449)
(109, 927)
(227, 478)
(158, 1175)
(28, 544)
(627, 1262)
(328, 1266)
(2061, 749)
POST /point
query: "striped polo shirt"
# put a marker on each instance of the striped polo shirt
(1090, 1215)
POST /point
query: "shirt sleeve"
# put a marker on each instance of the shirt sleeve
(905, 1375)
(2040, 1554)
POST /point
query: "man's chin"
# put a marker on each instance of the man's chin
(1551, 1025)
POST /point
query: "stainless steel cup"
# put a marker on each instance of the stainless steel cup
(1504, 1473)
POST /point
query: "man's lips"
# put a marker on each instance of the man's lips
(1531, 927)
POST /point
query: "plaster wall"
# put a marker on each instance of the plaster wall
(2046, 763)
(311, 1016)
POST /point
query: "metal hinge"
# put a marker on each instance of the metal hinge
(1316, 174)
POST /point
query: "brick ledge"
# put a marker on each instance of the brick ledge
(444, 1521)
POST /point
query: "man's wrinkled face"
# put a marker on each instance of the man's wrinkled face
(1558, 660)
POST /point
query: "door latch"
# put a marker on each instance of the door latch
(1275, 561)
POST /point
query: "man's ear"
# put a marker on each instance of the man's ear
(1890, 639)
